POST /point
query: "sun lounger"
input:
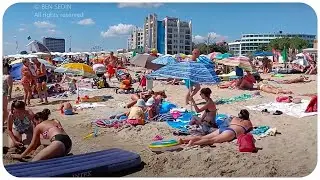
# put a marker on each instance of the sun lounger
(96, 164)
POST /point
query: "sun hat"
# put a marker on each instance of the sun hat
(150, 101)
(140, 103)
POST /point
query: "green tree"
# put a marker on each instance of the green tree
(294, 43)
(222, 47)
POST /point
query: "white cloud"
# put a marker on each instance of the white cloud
(87, 21)
(140, 5)
(118, 30)
(214, 37)
(44, 24)
(21, 29)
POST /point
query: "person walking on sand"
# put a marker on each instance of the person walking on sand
(193, 88)
(7, 84)
(110, 63)
(26, 80)
(41, 80)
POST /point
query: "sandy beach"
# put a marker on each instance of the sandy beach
(291, 153)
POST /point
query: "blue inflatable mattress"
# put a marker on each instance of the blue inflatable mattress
(96, 164)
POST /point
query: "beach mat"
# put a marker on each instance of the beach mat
(95, 164)
(183, 121)
(291, 109)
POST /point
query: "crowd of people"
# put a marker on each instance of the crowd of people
(26, 128)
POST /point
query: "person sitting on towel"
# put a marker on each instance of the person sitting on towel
(208, 118)
(238, 125)
(137, 112)
(126, 83)
(152, 108)
(66, 108)
(50, 129)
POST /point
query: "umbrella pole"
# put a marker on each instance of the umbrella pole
(78, 93)
(189, 97)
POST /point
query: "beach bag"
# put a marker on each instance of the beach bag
(313, 105)
(246, 143)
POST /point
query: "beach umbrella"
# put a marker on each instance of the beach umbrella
(41, 53)
(67, 71)
(47, 64)
(263, 53)
(59, 59)
(99, 67)
(85, 70)
(193, 71)
(240, 61)
(213, 55)
(165, 60)
(205, 60)
(145, 61)
(223, 56)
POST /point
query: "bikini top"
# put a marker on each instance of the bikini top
(22, 125)
(46, 133)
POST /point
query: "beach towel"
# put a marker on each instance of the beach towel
(242, 97)
(88, 105)
(313, 105)
(291, 109)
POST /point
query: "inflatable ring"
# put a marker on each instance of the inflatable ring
(164, 143)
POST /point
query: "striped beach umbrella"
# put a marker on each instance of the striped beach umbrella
(192, 71)
(240, 61)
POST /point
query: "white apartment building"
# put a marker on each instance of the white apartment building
(178, 36)
(136, 39)
(251, 42)
(150, 32)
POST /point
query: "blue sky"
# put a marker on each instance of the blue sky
(107, 25)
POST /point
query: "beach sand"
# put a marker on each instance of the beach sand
(289, 154)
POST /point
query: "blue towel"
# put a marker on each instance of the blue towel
(260, 130)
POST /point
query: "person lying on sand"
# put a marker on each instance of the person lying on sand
(209, 116)
(244, 83)
(300, 79)
(238, 125)
(272, 89)
(50, 129)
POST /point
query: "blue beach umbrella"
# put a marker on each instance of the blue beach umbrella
(205, 60)
(165, 60)
(192, 71)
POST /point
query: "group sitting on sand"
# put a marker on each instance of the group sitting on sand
(36, 126)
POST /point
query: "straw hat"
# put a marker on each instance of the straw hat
(141, 103)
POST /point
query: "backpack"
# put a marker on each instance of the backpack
(246, 143)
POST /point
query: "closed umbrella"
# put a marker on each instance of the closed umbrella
(165, 60)
(240, 61)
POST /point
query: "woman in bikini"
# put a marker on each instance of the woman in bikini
(50, 129)
(41, 80)
(7, 84)
(301, 79)
(272, 89)
(20, 121)
(209, 116)
(238, 125)
(26, 80)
